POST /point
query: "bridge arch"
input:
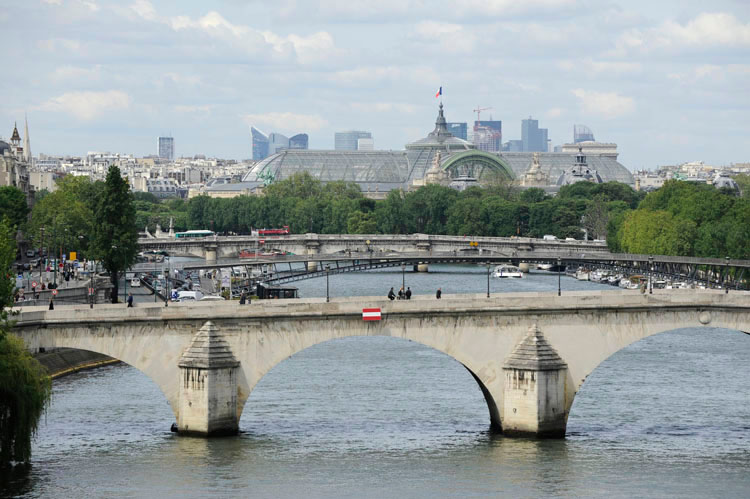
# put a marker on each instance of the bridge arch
(682, 375)
(279, 349)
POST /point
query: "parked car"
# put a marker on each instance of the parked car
(30, 253)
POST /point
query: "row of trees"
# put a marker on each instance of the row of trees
(307, 205)
(687, 219)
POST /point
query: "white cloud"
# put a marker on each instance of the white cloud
(205, 109)
(87, 105)
(447, 37)
(605, 104)
(55, 44)
(93, 7)
(75, 73)
(290, 122)
(555, 112)
(384, 107)
(592, 66)
(145, 9)
(706, 30)
(53, 2)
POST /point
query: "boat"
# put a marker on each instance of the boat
(503, 271)
(582, 274)
(545, 266)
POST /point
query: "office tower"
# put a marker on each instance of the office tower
(365, 145)
(347, 141)
(299, 141)
(260, 144)
(277, 142)
(534, 138)
(165, 148)
(488, 135)
(459, 130)
(582, 133)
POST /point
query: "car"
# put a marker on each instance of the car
(34, 263)
(26, 266)
(30, 253)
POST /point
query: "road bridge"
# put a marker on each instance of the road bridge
(529, 352)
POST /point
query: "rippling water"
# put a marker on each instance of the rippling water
(384, 417)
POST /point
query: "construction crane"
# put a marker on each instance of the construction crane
(479, 110)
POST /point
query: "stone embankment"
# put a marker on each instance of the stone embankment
(63, 361)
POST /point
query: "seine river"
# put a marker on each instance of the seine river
(382, 417)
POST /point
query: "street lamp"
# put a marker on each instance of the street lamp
(403, 277)
(328, 268)
(559, 266)
(42, 257)
(168, 290)
(488, 279)
(651, 275)
(726, 277)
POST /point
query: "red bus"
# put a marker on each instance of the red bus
(272, 232)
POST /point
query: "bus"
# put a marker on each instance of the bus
(272, 232)
(193, 234)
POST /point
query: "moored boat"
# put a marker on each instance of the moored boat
(503, 271)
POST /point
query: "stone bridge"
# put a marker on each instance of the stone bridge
(528, 352)
(314, 244)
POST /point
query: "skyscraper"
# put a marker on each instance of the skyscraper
(582, 133)
(277, 142)
(347, 141)
(260, 144)
(165, 148)
(488, 135)
(459, 130)
(534, 138)
(299, 141)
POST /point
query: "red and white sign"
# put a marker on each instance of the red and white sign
(54, 292)
(370, 314)
(33, 284)
(91, 291)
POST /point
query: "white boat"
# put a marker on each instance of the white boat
(582, 274)
(544, 266)
(503, 271)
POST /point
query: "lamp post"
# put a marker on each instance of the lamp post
(726, 277)
(153, 281)
(168, 291)
(488, 279)
(43, 257)
(650, 275)
(328, 268)
(93, 282)
(403, 277)
(559, 266)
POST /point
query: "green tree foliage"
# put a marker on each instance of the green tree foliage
(743, 181)
(25, 386)
(13, 205)
(361, 223)
(65, 215)
(689, 219)
(115, 236)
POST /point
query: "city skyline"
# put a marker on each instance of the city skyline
(664, 83)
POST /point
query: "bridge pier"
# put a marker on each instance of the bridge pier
(208, 386)
(211, 252)
(535, 375)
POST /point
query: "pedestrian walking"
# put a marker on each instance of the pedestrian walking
(243, 297)
(439, 293)
(408, 293)
(391, 295)
(130, 300)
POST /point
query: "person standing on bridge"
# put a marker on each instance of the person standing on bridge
(439, 293)
(408, 293)
(130, 300)
(243, 297)
(51, 304)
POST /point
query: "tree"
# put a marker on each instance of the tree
(596, 217)
(13, 205)
(361, 223)
(25, 386)
(115, 236)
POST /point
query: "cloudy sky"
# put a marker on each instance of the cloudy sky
(668, 81)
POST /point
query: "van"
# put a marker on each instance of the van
(189, 296)
(549, 237)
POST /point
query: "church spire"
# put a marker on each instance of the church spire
(15, 139)
(26, 140)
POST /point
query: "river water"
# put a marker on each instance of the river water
(383, 417)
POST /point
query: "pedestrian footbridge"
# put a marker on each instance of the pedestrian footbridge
(528, 352)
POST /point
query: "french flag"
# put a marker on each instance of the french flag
(439, 92)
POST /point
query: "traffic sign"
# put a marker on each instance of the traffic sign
(91, 291)
(54, 292)
(370, 314)
(33, 284)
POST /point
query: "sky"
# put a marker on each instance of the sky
(667, 81)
